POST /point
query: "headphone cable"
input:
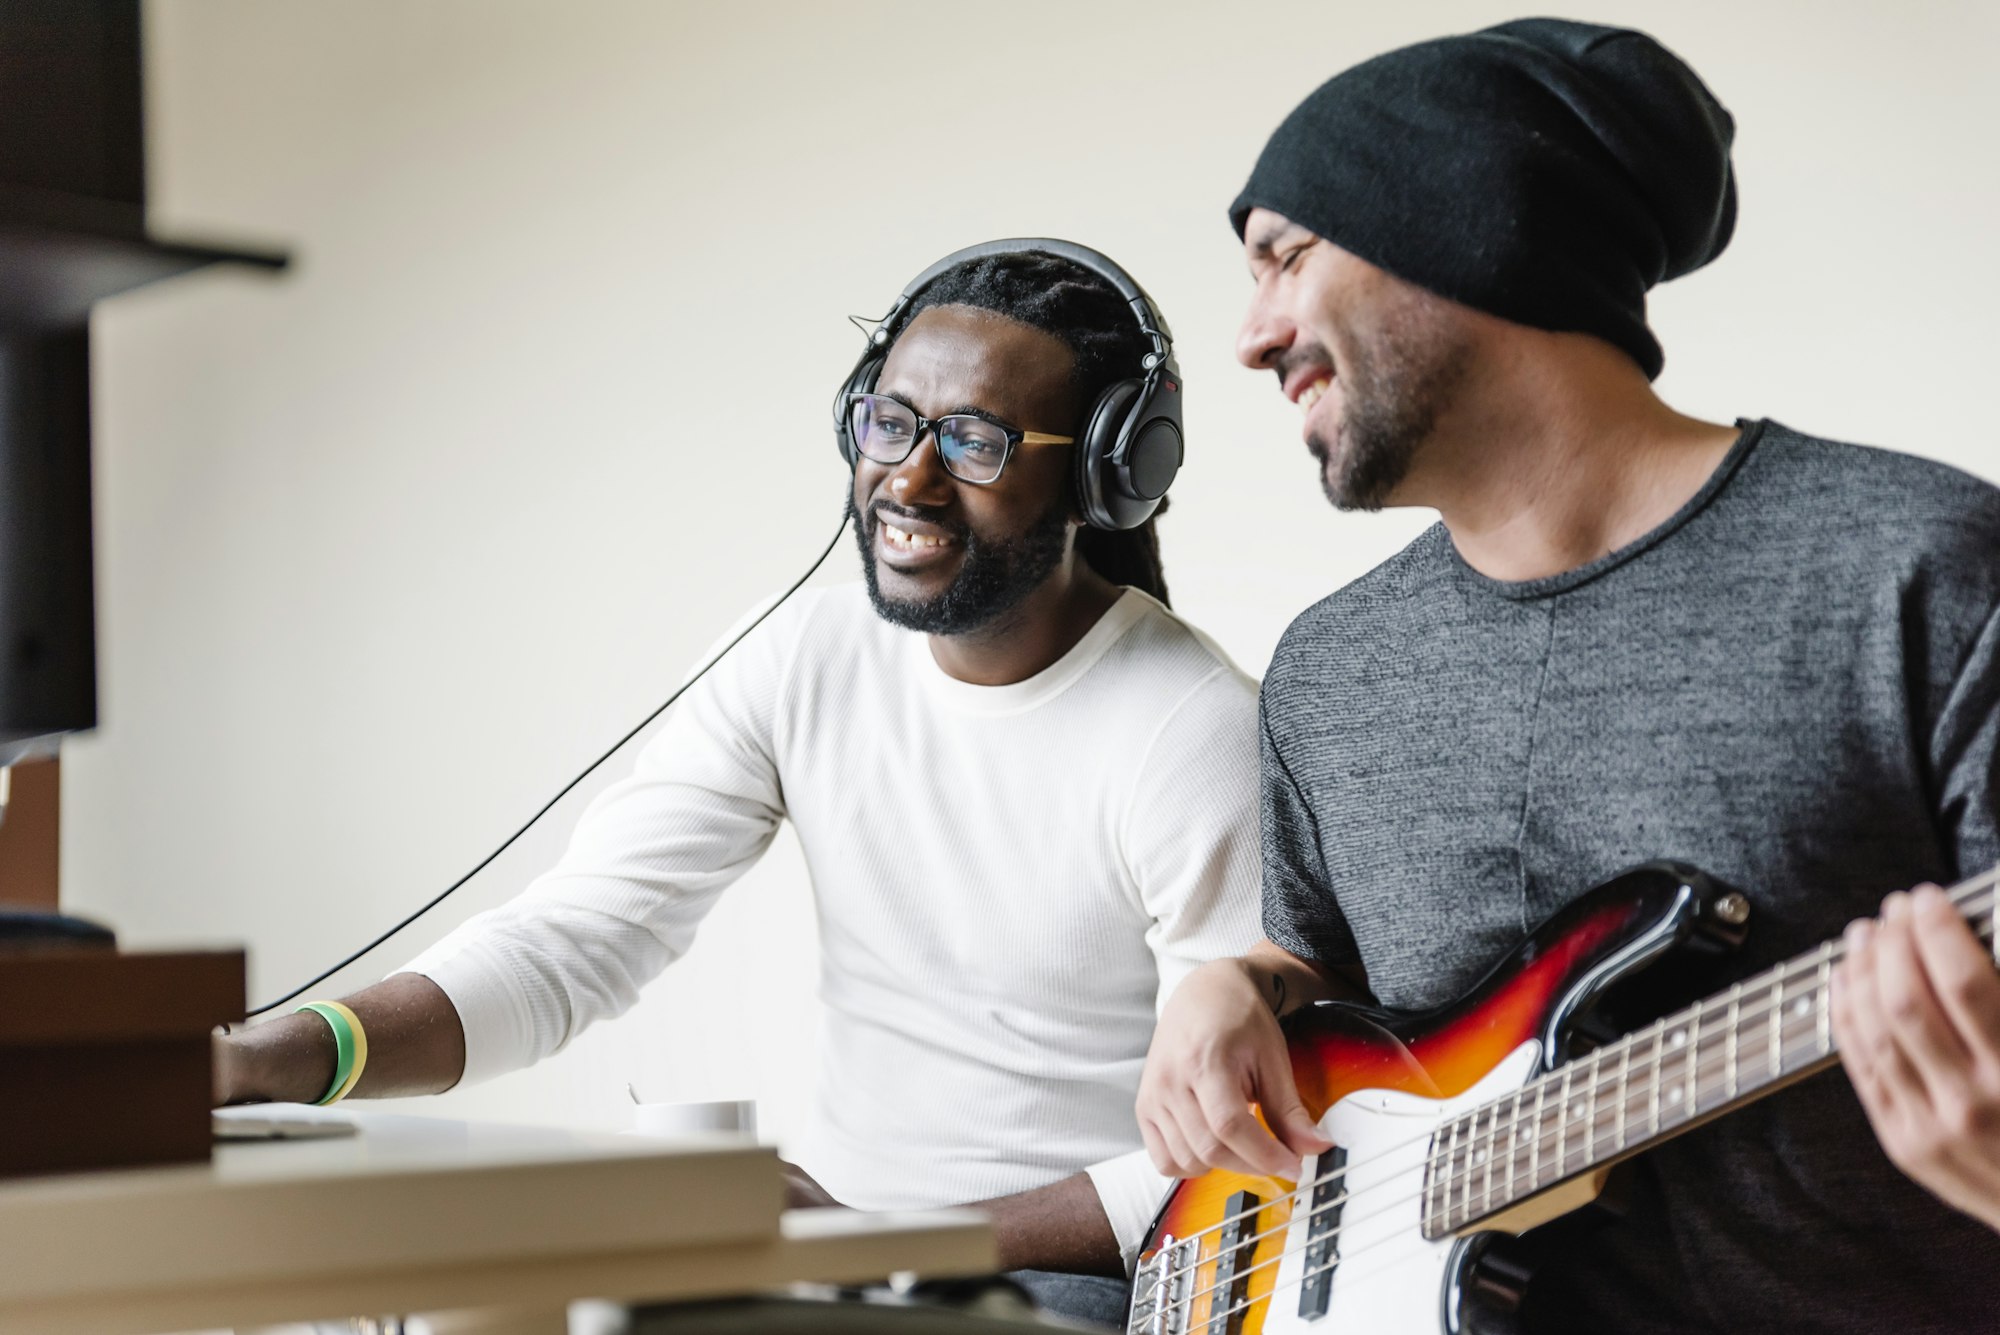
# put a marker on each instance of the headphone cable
(587, 771)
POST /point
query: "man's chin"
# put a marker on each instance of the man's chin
(932, 616)
(1361, 476)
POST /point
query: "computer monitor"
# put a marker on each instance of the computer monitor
(72, 231)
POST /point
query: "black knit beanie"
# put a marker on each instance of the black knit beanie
(1544, 171)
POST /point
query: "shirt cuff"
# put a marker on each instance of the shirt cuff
(1130, 1189)
(499, 1031)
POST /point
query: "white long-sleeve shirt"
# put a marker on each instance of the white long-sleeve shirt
(1009, 880)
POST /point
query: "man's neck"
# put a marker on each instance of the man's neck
(1033, 634)
(1560, 460)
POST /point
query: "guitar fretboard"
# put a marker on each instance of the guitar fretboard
(1651, 1085)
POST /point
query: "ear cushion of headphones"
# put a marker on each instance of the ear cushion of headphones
(1122, 490)
(860, 381)
(1097, 492)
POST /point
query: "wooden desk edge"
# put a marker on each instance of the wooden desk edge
(814, 1246)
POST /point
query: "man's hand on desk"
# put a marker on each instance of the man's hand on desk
(802, 1193)
(1058, 1227)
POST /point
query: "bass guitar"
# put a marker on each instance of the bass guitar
(1457, 1126)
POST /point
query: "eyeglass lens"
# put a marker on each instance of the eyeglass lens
(971, 448)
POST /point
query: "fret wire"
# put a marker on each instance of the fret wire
(1562, 1120)
(1624, 1091)
(1777, 1024)
(1514, 1134)
(1535, 1146)
(1451, 1143)
(1439, 1147)
(1437, 1174)
(1468, 1139)
(1492, 1152)
(1659, 1040)
(1694, 1048)
(1471, 1159)
(1730, 1046)
(1473, 1140)
(1590, 1107)
(1822, 973)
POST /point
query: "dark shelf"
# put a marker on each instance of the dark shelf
(60, 252)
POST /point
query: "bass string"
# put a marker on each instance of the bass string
(1962, 896)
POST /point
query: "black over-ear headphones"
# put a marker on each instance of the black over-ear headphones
(1131, 445)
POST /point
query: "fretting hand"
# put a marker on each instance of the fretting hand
(1916, 1013)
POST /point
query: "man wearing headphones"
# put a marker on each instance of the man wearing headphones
(1024, 824)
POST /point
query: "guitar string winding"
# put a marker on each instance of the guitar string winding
(1962, 897)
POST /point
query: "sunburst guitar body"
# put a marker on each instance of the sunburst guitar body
(1461, 1125)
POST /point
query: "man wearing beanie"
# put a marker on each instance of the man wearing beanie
(1633, 635)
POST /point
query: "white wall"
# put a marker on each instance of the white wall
(392, 545)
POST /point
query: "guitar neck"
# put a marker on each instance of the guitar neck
(1650, 1086)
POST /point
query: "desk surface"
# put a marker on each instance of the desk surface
(418, 1214)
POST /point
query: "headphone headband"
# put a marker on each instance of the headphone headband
(1151, 322)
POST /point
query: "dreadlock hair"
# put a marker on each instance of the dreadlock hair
(1061, 297)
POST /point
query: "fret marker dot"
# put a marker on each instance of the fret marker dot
(1679, 1039)
(1801, 1006)
(1673, 1096)
(1479, 1156)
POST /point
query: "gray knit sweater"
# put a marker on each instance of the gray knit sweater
(1794, 683)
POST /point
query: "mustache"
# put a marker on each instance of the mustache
(1312, 356)
(928, 514)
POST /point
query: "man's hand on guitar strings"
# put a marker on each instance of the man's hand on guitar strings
(1217, 1050)
(1916, 1015)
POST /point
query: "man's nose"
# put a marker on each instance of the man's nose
(920, 479)
(1266, 333)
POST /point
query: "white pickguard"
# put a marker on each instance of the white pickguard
(1388, 1279)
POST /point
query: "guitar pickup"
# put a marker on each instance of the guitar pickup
(1329, 1197)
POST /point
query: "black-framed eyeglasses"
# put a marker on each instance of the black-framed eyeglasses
(972, 449)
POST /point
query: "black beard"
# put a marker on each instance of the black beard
(1390, 400)
(992, 579)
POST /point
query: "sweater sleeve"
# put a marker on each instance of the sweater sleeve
(646, 862)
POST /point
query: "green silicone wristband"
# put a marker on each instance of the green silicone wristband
(343, 1046)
